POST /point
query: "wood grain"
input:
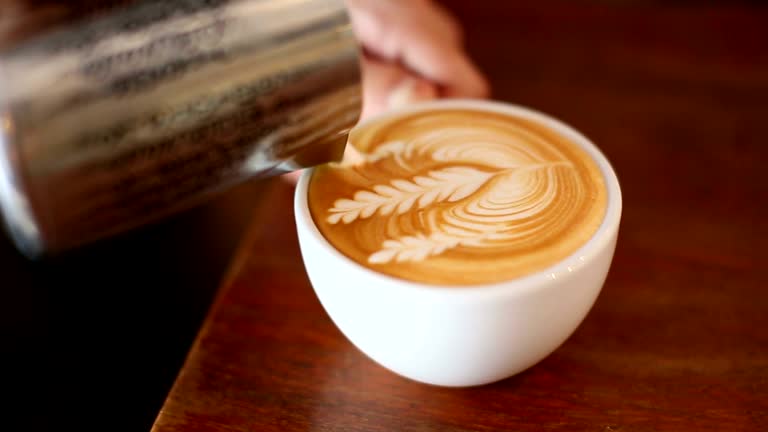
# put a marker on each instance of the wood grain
(675, 96)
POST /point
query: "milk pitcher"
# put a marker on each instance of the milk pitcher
(111, 122)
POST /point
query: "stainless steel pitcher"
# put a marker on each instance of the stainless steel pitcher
(112, 122)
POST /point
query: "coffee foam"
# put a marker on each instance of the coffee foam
(458, 196)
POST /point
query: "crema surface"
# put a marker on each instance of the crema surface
(458, 197)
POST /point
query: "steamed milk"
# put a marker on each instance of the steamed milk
(458, 197)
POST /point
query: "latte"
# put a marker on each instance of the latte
(458, 196)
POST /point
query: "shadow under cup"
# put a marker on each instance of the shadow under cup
(462, 335)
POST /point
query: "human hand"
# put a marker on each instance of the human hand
(412, 51)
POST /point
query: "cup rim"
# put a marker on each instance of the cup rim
(571, 264)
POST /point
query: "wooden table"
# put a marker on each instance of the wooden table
(677, 98)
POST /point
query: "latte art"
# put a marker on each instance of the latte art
(458, 197)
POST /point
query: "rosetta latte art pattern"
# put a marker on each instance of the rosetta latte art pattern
(487, 187)
(521, 186)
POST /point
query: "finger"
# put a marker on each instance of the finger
(388, 85)
(292, 177)
(454, 71)
(422, 36)
(411, 90)
(385, 86)
(376, 23)
(449, 26)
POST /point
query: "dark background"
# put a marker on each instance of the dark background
(99, 334)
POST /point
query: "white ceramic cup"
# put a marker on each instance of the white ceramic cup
(462, 336)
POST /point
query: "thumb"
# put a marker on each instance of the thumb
(388, 85)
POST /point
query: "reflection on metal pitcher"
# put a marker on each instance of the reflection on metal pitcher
(117, 121)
